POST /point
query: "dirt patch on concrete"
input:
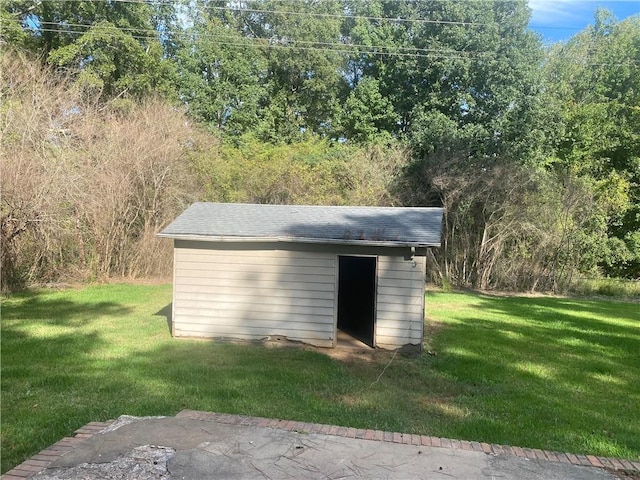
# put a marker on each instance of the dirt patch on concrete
(146, 462)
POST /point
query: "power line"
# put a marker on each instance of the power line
(330, 15)
(310, 14)
(323, 15)
(291, 46)
(329, 47)
(363, 17)
(279, 42)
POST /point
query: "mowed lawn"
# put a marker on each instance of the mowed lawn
(552, 373)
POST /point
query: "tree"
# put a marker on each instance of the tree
(304, 78)
(111, 63)
(510, 226)
(115, 48)
(595, 77)
(460, 75)
(367, 115)
(12, 32)
(221, 74)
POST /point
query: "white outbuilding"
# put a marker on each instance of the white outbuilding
(303, 273)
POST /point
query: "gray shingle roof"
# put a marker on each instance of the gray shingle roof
(394, 226)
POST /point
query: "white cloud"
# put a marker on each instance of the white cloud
(560, 19)
(564, 12)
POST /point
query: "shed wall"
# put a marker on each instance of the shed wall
(253, 291)
(400, 301)
(253, 294)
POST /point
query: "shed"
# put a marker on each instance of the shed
(244, 271)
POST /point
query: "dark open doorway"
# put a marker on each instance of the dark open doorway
(357, 297)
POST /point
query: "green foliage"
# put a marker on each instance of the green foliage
(609, 287)
(221, 82)
(11, 32)
(109, 45)
(367, 115)
(600, 98)
(111, 63)
(313, 172)
(303, 80)
(434, 131)
(338, 81)
(455, 87)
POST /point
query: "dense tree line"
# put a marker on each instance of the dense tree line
(534, 151)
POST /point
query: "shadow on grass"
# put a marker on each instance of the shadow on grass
(41, 333)
(548, 373)
(288, 383)
(45, 353)
(55, 311)
(529, 372)
(578, 313)
(166, 312)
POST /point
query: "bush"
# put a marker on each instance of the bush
(85, 188)
(608, 287)
(313, 172)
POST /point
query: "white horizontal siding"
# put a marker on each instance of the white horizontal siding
(400, 301)
(250, 257)
(407, 286)
(255, 281)
(252, 321)
(280, 299)
(401, 275)
(195, 268)
(255, 311)
(207, 330)
(253, 294)
(208, 290)
(394, 308)
(249, 330)
(255, 272)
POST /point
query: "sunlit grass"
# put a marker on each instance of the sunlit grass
(552, 373)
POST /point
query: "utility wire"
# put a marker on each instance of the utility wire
(274, 41)
(293, 47)
(270, 43)
(319, 15)
(332, 15)
(356, 17)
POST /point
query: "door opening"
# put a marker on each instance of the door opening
(357, 297)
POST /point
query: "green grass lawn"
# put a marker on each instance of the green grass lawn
(552, 373)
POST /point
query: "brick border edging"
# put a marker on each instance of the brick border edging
(42, 460)
(418, 440)
(46, 457)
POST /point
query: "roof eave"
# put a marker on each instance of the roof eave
(278, 239)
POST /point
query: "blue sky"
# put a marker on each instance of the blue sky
(560, 19)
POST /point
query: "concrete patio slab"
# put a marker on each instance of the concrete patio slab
(201, 445)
